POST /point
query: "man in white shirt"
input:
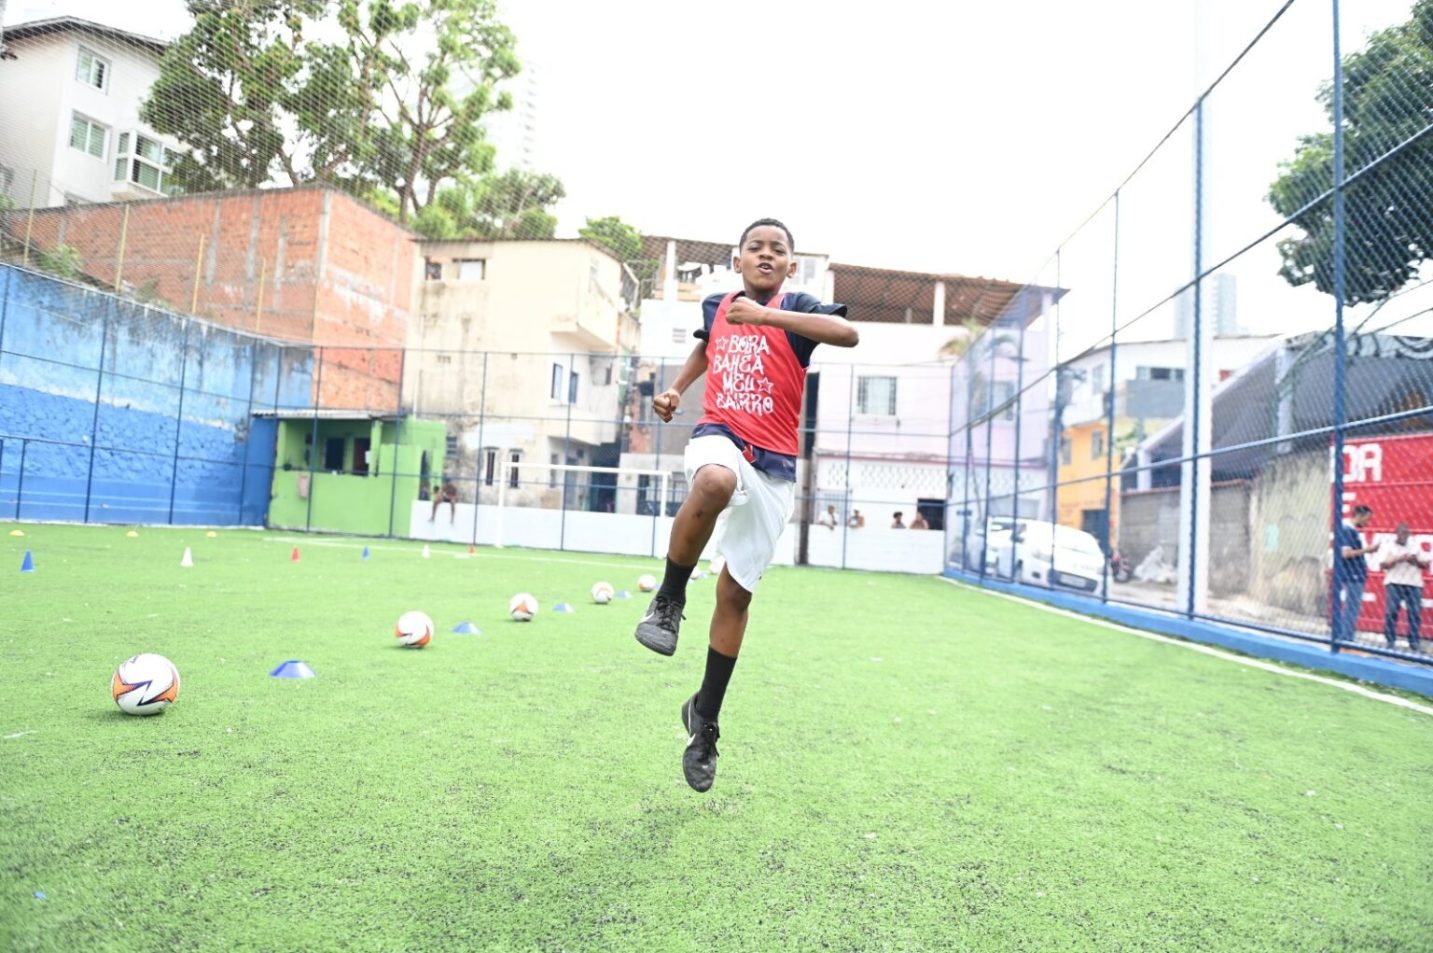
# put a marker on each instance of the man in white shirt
(1402, 563)
(828, 518)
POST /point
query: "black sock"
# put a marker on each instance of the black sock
(713, 690)
(674, 581)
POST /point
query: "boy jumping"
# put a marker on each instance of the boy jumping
(756, 344)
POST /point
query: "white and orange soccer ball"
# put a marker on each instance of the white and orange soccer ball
(414, 629)
(602, 593)
(523, 606)
(646, 582)
(145, 685)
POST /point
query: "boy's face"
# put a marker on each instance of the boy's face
(764, 260)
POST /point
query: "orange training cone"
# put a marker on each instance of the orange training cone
(472, 549)
(295, 556)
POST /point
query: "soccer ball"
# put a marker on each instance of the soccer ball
(602, 593)
(523, 607)
(414, 629)
(646, 582)
(145, 685)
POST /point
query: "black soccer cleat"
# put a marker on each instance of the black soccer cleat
(700, 758)
(659, 627)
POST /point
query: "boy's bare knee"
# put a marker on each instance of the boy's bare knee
(731, 593)
(715, 482)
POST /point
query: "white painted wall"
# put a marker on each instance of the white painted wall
(875, 548)
(38, 95)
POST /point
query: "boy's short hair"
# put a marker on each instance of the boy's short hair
(1361, 510)
(774, 223)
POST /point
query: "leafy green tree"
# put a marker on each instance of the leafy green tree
(1388, 99)
(624, 240)
(513, 204)
(394, 103)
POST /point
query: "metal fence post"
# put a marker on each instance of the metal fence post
(397, 442)
(566, 451)
(1194, 413)
(478, 470)
(249, 424)
(989, 400)
(95, 419)
(1019, 427)
(1340, 346)
(850, 421)
(178, 417)
(313, 444)
(1110, 410)
(20, 478)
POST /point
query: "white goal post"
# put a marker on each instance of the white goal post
(664, 477)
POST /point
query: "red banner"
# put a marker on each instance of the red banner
(1393, 476)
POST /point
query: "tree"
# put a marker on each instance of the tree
(395, 102)
(223, 90)
(1388, 97)
(429, 98)
(513, 204)
(624, 240)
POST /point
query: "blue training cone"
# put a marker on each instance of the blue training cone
(365, 552)
(293, 668)
(28, 563)
(623, 594)
(563, 608)
(466, 628)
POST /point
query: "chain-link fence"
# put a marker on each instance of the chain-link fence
(241, 285)
(1214, 390)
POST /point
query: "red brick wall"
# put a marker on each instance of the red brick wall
(308, 264)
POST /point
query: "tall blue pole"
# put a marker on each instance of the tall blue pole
(1340, 347)
(1196, 372)
(1110, 410)
(95, 420)
(179, 418)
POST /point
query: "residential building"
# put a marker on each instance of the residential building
(1147, 390)
(522, 347)
(1218, 303)
(70, 133)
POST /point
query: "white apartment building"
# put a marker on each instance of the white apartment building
(70, 95)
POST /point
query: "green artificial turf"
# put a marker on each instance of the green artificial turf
(906, 765)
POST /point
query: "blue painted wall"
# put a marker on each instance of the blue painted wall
(123, 413)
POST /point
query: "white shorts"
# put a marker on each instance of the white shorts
(751, 524)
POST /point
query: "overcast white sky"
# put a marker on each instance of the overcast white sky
(964, 137)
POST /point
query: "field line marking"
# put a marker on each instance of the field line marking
(1204, 649)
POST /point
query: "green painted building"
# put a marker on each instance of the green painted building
(345, 472)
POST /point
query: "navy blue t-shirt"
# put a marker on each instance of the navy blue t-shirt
(778, 465)
(1346, 537)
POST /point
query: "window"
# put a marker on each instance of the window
(445, 358)
(1003, 395)
(1159, 373)
(1097, 445)
(333, 454)
(572, 388)
(432, 270)
(556, 391)
(490, 464)
(1097, 378)
(679, 335)
(876, 396)
(471, 269)
(1065, 451)
(87, 135)
(451, 448)
(516, 458)
(92, 69)
(361, 446)
(146, 165)
(552, 474)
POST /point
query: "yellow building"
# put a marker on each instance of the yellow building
(1080, 501)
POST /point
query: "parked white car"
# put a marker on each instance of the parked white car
(1039, 553)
